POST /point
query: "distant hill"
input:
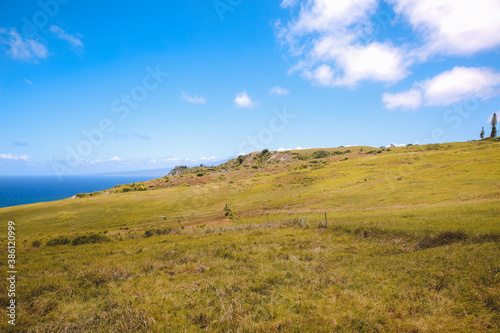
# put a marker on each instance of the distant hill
(352, 239)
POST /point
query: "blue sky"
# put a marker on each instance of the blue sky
(93, 87)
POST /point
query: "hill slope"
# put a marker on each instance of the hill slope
(410, 243)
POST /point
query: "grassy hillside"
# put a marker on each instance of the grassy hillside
(410, 243)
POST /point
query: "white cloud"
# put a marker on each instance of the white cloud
(242, 100)
(116, 159)
(331, 38)
(10, 157)
(373, 62)
(140, 136)
(28, 82)
(453, 27)
(323, 75)
(193, 99)
(211, 158)
(411, 99)
(394, 145)
(72, 39)
(20, 47)
(288, 3)
(447, 88)
(327, 15)
(335, 42)
(279, 91)
(460, 83)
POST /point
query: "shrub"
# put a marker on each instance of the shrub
(59, 241)
(302, 157)
(36, 243)
(320, 154)
(132, 187)
(241, 159)
(161, 231)
(90, 239)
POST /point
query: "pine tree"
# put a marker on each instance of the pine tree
(494, 126)
(482, 134)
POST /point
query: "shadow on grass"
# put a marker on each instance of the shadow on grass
(422, 242)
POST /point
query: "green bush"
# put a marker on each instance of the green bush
(90, 239)
(160, 231)
(301, 157)
(59, 241)
(132, 187)
(320, 154)
(240, 159)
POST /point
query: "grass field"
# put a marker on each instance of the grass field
(410, 243)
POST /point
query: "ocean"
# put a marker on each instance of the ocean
(19, 190)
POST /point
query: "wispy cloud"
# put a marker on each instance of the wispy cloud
(447, 88)
(19, 143)
(152, 162)
(279, 91)
(28, 82)
(411, 99)
(20, 47)
(288, 3)
(452, 27)
(140, 136)
(193, 99)
(242, 100)
(209, 159)
(127, 136)
(10, 157)
(74, 40)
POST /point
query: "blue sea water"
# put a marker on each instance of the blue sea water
(19, 190)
